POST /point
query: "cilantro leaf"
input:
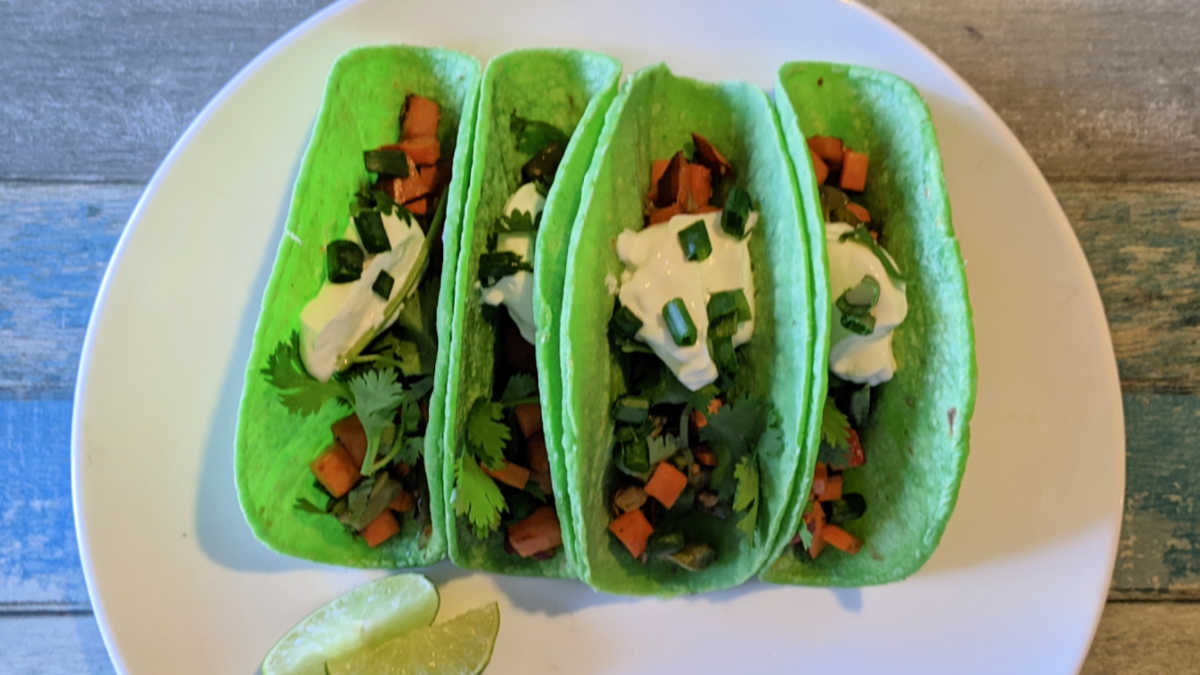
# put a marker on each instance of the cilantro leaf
(746, 496)
(519, 386)
(533, 135)
(487, 434)
(835, 428)
(376, 395)
(477, 497)
(298, 391)
(520, 221)
(730, 433)
(804, 533)
(660, 448)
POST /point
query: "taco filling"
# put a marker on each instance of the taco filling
(512, 488)
(368, 340)
(683, 318)
(869, 291)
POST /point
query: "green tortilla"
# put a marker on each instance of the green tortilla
(917, 436)
(571, 90)
(363, 99)
(654, 116)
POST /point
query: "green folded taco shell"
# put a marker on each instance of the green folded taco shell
(364, 97)
(917, 436)
(571, 90)
(654, 116)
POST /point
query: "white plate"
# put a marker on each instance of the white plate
(179, 584)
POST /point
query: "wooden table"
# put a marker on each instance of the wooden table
(1105, 95)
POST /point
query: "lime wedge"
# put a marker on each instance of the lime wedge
(461, 645)
(365, 617)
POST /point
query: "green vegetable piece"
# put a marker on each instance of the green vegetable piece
(832, 199)
(631, 410)
(543, 165)
(679, 322)
(635, 456)
(533, 135)
(850, 507)
(723, 354)
(626, 322)
(665, 545)
(736, 212)
(860, 297)
(371, 232)
(861, 324)
(343, 261)
(694, 241)
(862, 236)
(694, 557)
(726, 303)
(496, 265)
(860, 405)
(383, 284)
(391, 162)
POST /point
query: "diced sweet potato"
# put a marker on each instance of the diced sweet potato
(832, 489)
(381, 529)
(662, 215)
(819, 477)
(859, 212)
(828, 148)
(424, 150)
(857, 456)
(336, 470)
(537, 533)
(668, 188)
(349, 432)
(657, 168)
(421, 117)
(666, 484)
(529, 418)
(418, 207)
(543, 481)
(633, 530)
(854, 171)
(841, 539)
(820, 169)
(695, 187)
(708, 155)
(705, 456)
(402, 502)
(539, 461)
(510, 474)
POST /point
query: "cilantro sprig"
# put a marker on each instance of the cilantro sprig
(300, 392)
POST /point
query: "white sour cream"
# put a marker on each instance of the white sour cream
(341, 314)
(865, 359)
(656, 272)
(515, 291)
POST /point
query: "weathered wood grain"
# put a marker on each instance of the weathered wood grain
(1160, 536)
(1097, 90)
(100, 91)
(52, 644)
(55, 241)
(1142, 241)
(1145, 638)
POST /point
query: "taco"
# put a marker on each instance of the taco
(539, 115)
(337, 444)
(687, 340)
(882, 474)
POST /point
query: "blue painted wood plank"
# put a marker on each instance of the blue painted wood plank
(39, 561)
(52, 644)
(55, 242)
